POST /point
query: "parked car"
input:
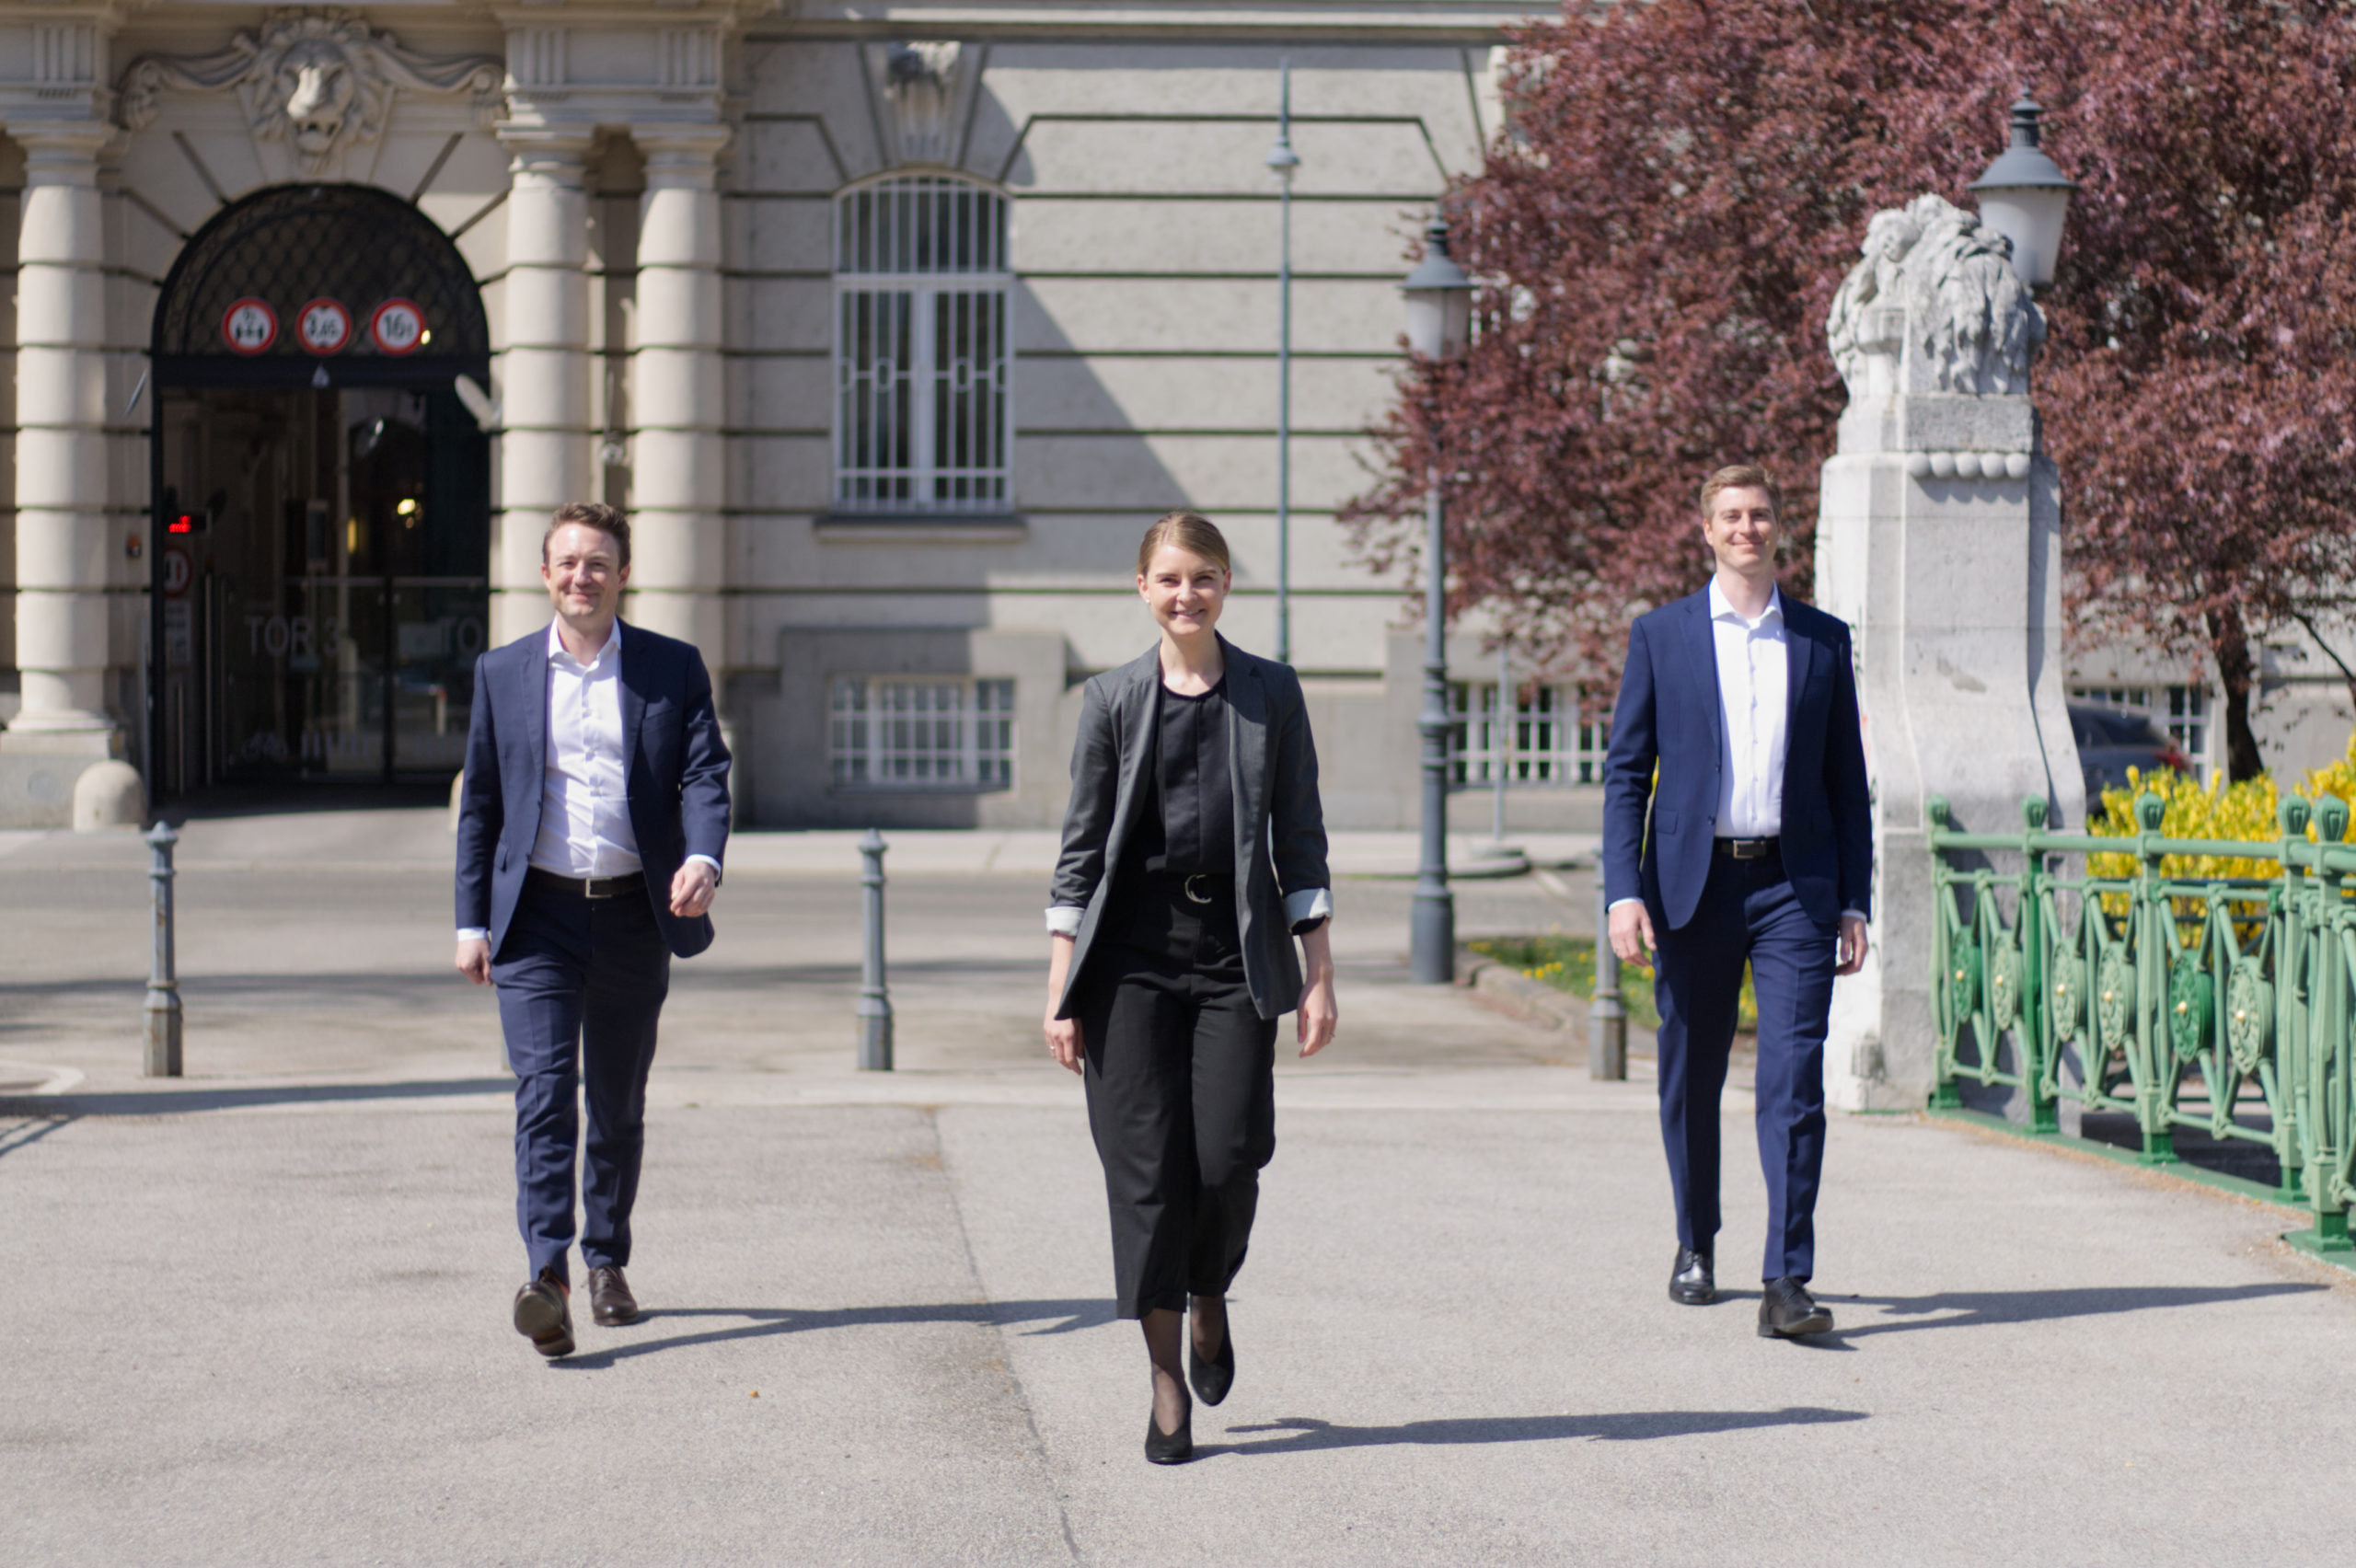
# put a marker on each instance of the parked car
(2112, 740)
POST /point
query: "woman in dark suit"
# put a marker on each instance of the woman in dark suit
(1194, 854)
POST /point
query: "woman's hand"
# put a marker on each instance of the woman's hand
(1319, 1015)
(1063, 1034)
(1063, 1041)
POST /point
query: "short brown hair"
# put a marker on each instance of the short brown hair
(606, 520)
(1191, 531)
(1743, 476)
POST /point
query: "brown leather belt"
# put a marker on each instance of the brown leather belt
(587, 887)
(1748, 848)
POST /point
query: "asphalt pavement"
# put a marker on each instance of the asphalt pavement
(259, 1314)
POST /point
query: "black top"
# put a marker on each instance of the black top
(1189, 823)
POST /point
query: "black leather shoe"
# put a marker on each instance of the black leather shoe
(1170, 1448)
(1787, 1311)
(610, 1302)
(544, 1315)
(1691, 1282)
(1213, 1376)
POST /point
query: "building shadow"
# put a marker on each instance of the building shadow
(168, 1102)
(1306, 1433)
(766, 1322)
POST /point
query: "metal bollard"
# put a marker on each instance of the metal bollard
(163, 984)
(1607, 1041)
(875, 1001)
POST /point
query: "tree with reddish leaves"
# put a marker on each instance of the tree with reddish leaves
(1683, 187)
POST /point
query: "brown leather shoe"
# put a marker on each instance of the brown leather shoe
(610, 1302)
(544, 1314)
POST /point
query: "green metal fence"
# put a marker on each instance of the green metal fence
(2224, 1004)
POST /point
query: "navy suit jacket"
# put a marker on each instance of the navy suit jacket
(676, 776)
(1669, 714)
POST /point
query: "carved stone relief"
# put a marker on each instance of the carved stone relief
(319, 83)
(1938, 286)
(923, 90)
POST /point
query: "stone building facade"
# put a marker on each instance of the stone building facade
(892, 326)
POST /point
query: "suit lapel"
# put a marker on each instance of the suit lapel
(1247, 743)
(633, 694)
(532, 671)
(1800, 653)
(1701, 648)
(1139, 710)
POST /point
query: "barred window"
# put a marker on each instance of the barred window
(1549, 736)
(2180, 711)
(921, 347)
(922, 734)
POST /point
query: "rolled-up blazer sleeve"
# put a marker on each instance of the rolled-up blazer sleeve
(1296, 814)
(1087, 821)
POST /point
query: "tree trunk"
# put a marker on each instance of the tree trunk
(2230, 643)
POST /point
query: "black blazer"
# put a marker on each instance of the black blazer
(676, 776)
(1280, 823)
(1669, 714)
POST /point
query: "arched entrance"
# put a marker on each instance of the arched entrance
(322, 495)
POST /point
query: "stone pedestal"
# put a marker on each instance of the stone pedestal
(1938, 542)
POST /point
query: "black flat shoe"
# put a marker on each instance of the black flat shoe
(1170, 1448)
(1787, 1311)
(1691, 1282)
(1213, 1376)
(544, 1316)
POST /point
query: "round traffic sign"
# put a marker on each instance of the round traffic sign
(248, 325)
(324, 326)
(178, 571)
(397, 326)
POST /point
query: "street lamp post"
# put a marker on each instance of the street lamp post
(2026, 197)
(1440, 321)
(1284, 163)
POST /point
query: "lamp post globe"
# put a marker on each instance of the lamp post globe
(1439, 324)
(2024, 196)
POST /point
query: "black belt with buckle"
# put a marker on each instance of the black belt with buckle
(587, 887)
(1748, 848)
(1200, 887)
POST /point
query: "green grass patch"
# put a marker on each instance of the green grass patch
(1567, 963)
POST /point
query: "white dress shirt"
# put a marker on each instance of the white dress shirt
(584, 779)
(1754, 682)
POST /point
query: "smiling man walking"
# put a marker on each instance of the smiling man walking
(591, 825)
(1753, 841)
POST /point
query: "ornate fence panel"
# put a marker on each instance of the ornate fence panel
(2222, 1003)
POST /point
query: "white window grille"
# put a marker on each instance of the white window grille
(1551, 737)
(2180, 711)
(922, 734)
(921, 347)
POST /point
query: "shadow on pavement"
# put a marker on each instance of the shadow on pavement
(760, 1322)
(1980, 1308)
(1304, 1434)
(30, 1131)
(168, 1102)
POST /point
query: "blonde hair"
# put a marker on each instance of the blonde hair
(1191, 531)
(1743, 476)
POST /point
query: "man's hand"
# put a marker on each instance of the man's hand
(1853, 945)
(474, 960)
(1632, 933)
(692, 889)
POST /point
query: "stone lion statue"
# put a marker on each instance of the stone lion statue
(1969, 320)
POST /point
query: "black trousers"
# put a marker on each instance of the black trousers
(1182, 1096)
(581, 985)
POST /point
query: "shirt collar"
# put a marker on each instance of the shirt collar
(613, 644)
(1722, 608)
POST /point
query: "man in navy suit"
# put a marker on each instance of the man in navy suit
(1737, 731)
(592, 821)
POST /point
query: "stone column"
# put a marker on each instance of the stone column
(678, 401)
(63, 725)
(543, 449)
(1938, 542)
